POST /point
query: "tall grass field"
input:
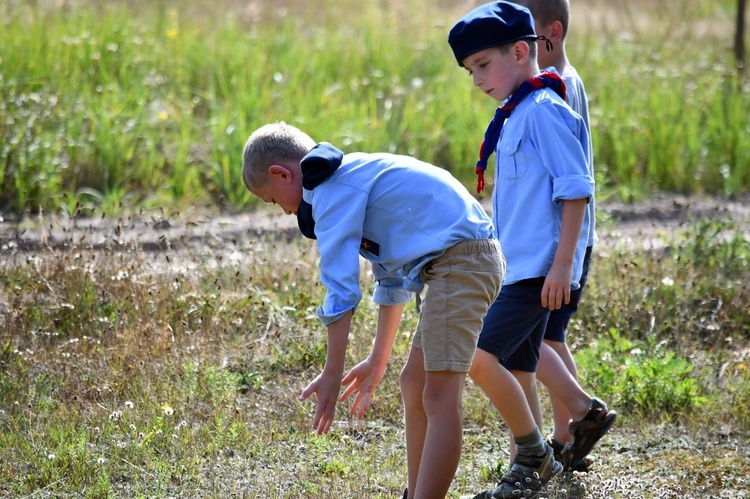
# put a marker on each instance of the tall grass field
(132, 104)
(164, 359)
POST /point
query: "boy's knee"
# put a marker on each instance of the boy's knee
(411, 387)
(441, 400)
(434, 407)
(482, 366)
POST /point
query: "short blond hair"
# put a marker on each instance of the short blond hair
(269, 145)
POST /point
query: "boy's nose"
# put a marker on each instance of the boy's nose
(477, 80)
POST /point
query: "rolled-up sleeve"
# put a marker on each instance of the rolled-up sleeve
(339, 214)
(565, 157)
(389, 287)
(572, 187)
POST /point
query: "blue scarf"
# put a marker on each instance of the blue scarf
(492, 135)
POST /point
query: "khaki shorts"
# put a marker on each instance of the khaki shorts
(461, 285)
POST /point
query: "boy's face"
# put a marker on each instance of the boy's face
(284, 189)
(494, 72)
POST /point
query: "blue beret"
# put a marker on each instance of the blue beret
(490, 25)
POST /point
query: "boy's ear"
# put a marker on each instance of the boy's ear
(521, 52)
(555, 32)
(280, 172)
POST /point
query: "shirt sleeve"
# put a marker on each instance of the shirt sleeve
(565, 156)
(339, 212)
(389, 289)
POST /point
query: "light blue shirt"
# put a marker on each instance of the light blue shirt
(397, 212)
(579, 102)
(541, 160)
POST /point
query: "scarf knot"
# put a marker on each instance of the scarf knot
(492, 134)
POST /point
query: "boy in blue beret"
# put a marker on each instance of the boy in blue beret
(542, 187)
(420, 228)
(552, 19)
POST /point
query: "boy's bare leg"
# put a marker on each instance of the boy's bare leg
(555, 360)
(504, 391)
(546, 369)
(558, 380)
(415, 418)
(527, 381)
(433, 419)
(442, 445)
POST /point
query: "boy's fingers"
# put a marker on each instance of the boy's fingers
(321, 420)
(552, 298)
(305, 394)
(325, 424)
(356, 408)
(363, 403)
(348, 378)
(559, 296)
(348, 392)
(308, 391)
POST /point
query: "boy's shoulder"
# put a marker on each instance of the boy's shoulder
(546, 97)
(577, 97)
(571, 76)
(543, 112)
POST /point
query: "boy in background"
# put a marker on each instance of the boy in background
(419, 227)
(551, 20)
(542, 187)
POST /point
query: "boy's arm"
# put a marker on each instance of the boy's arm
(328, 383)
(556, 288)
(365, 376)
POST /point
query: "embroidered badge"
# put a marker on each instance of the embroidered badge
(370, 246)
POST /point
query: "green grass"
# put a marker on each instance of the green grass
(127, 373)
(113, 106)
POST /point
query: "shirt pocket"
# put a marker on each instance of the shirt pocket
(511, 160)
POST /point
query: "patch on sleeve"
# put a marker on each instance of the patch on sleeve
(370, 247)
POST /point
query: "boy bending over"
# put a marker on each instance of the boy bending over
(419, 227)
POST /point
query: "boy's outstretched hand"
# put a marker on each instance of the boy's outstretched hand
(327, 389)
(363, 378)
(328, 383)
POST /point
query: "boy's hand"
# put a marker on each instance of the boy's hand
(363, 378)
(556, 289)
(327, 389)
(328, 383)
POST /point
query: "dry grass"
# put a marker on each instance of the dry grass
(141, 370)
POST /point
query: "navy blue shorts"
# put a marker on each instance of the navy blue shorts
(514, 325)
(558, 319)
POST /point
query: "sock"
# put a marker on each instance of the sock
(531, 444)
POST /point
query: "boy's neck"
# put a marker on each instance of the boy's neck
(530, 71)
(558, 59)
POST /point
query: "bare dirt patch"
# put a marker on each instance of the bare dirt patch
(649, 222)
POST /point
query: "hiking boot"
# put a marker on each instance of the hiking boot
(527, 477)
(587, 432)
(561, 450)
